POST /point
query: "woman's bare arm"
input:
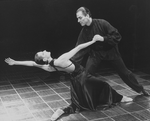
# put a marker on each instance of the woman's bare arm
(71, 53)
(12, 62)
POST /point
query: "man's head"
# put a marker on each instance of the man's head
(83, 15)
(42, 57)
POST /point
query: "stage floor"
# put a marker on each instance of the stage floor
(33, 95)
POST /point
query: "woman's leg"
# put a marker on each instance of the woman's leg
(92, 65)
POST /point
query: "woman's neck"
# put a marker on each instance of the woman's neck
(50, 59)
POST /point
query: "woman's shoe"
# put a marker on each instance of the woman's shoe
(56, 114)
(126, 99)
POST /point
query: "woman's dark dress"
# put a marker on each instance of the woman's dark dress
(89, 92)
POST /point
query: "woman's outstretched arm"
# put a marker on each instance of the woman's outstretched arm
(23, 63)
(12, 62)
(71, 53)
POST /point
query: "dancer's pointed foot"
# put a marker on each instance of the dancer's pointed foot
(56, 114)
(126, 99)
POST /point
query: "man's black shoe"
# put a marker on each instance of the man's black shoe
(145, 93)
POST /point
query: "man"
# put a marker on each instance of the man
(106, 49)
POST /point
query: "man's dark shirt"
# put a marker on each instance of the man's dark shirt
(108, 49)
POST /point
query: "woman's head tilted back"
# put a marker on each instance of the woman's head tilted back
(38, 59)
(42, 57)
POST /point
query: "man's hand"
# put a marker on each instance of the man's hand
(98, 38)
(10, 61)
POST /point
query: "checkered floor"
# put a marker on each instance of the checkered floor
(33, 95)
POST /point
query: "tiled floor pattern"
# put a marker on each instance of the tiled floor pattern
(29, 96)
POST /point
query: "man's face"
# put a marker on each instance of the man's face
(82, 19)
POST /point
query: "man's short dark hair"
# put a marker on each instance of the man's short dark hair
(85, 11)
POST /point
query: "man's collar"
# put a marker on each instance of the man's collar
(90, 23)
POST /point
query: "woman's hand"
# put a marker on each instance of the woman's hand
(98, 38)
(10, 61)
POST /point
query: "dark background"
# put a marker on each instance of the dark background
(27, 26)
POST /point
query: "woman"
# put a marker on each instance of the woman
(87, 91)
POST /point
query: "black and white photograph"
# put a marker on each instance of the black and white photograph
(74, 60)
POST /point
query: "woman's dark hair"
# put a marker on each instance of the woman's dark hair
(39, 60)
(85, 11)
